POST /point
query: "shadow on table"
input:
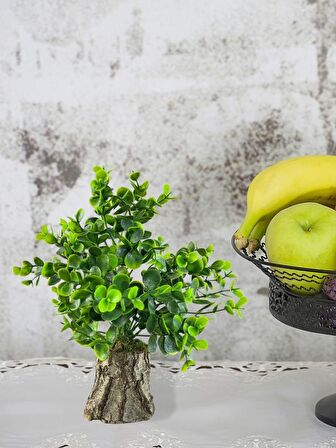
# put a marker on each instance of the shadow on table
(163, 392)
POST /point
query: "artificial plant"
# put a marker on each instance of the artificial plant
(115, 282)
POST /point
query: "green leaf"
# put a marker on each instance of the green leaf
(80, 294)
(111, 334)
(138, 304)
(95, 251)
(112, 315)
(74, 227)
(181, 261)
(16, 270)
(196, 267)
(177, 322)
(65, 289)
(80, 214)
(200, 344)
(193, 256)
(133, 259)
(151, 278)
(192, 331)
(74, 305)
(95, 270)
(102, 238)
(191, 246)
(210, 249)
(133, 292)
(161, 290)
(121, 281)
(187, 364)
(53, 280)
(113, 295)
(113, 261)
(231, 303)
(178, 286)
(188, 295)
(120, 322)
(50, 238)
(169, 345)
(105, 306)
(241, 302)
(237, 292)
(38, 261)
(221, 265)
(27, 282)
(48, 269)
(151, 323)
(136, 235)
(173, 307)
(161, 345)
(103, 262)
(201, 322)
(183, 307)
(184, 341)
(26, 268)
(100, 292)
(74, 277)
(95, 201)
(78, 247)
(229, 309)
(102, 175)
(95, 279)
(126, 223)
(239, 313)
(152, 343)
(74, 261)
(64, 274)
(101, 350)
(125, 194)
(166, 189)
(151, 305)
(134, 176)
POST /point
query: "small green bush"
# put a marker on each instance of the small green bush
(97, 293)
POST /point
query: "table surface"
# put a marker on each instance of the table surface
(220, 404)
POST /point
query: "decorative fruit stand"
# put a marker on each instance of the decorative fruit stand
(314, 312)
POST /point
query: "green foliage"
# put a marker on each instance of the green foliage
(97, 292)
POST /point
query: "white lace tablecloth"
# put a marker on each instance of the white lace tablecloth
(224, 405)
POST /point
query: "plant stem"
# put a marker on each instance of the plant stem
(213, 293)
(206, 312)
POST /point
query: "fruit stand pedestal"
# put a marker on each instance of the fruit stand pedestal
(309, 312)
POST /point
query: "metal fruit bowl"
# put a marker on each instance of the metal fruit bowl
(292, 296)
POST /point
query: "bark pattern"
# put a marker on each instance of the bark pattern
(121, 389)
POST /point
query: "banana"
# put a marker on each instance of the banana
(257, 234)
(289, 182)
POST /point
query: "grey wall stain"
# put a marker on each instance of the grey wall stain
(325, 21)
(29, 144)
(135, 36)
(114, 67)
(260, 144)
(59, 172)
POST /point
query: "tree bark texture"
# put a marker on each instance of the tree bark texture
(121, 390)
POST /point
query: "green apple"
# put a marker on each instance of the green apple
(303, 235)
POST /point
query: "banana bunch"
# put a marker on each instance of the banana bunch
(289, 182)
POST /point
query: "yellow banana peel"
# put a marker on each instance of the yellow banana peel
(289, 182)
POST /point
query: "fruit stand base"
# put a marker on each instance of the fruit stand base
(121, 392)
(310, 313)
(325, 410)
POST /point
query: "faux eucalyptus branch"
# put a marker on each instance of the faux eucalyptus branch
(98, 293)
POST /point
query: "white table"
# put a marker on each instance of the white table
(227, 405)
